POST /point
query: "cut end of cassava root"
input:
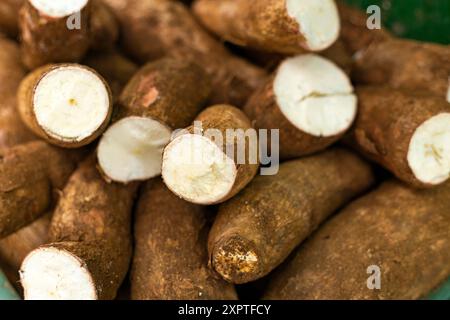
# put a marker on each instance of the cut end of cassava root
(71, 103)
(58, 9)
(318, 20)
(53, 274)
(429, 150)
(132, 148)
(315, 95)
(196, 169)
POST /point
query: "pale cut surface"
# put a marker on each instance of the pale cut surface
(197, 170)
(318, 20)
(70, 103)
(448, 92)
(54, 274)
(58, 8)
(315, 95)
(132, 148)
(429, 150)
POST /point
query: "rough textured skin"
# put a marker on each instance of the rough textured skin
(386, 122)
(223, 117)
(25, 98)
(262, 108)
(404, 232)
(263, 24)
(49, 40)
(12, 130)
(114, 67)
(168, 90)
(29, 174)
(104, 27)
(405, 64)
(354, 31)
(152, 29)
(15, 247)
(170, 259)
(9, 10)
(274, 214)
(92, 221)
(340, 55)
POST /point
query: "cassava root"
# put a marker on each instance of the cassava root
(170, 258)
(407, 132)
(310, 100)
(403, 232)
(198, 165)
(153, 29)
(163, 96)
(50, 32)
(256, 230)
(68, 105)
(90, 241)
(284, 26)
(30, 174)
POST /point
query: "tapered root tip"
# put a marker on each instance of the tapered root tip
(429, 150)
(132, 148)
(49, 273)
(197, 170)
(236, 260)
(318, 21)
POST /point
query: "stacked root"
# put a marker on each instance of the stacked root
(203, 97)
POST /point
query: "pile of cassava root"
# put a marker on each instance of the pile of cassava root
(100, 197)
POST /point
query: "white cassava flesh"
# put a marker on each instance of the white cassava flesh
(429, 150)
(318, 20)
(197, 170)
(52, 274)
(58, 8)
(70, 103)
(315, 95)
(132, 148)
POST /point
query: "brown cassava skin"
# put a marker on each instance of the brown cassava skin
(274, 214)
(48, 40)
(338, 53)
(170, 91)
(223, 117)
(170, 258)
(263, 24)
(153, 29)
(12, 130)
(92, 222)
(25, 98)
(104, 27)
(30, 173)
(9, 10)
(262, 108)
(405, 232)
(405, 64)
(114, 67)
(354, 32)
(386, 122)
(15, 247)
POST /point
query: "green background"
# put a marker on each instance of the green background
(427, 20)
